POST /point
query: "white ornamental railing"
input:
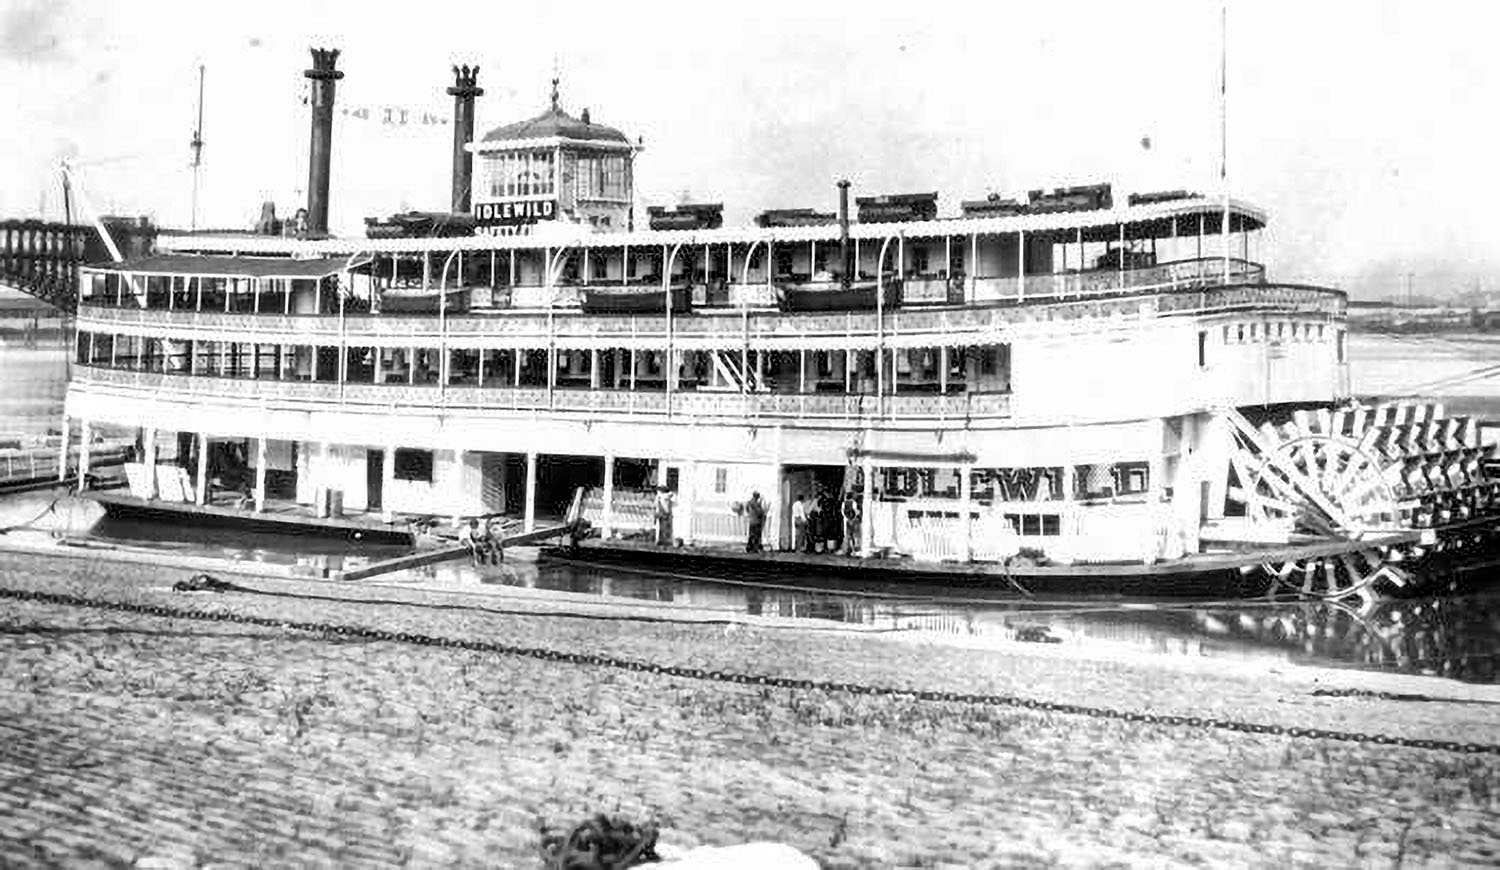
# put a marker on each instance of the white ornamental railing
(688, 406)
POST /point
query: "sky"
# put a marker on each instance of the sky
(1365, 129)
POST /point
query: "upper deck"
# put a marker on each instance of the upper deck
(986, 319)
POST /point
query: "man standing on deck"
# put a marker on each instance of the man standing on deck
(663, 516)
(851, 523)
(755, 513)
(799, 524)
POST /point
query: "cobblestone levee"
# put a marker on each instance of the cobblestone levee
(136, 741)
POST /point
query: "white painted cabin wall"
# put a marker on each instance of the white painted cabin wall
(456, 488)
(1262, 370)
(1152, 370)
(336, 466)
(714, 519)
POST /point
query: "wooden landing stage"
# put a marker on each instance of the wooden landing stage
(446, 554)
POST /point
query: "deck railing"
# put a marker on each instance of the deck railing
(572, 329)
(685, 405)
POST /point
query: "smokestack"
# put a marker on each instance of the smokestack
(323, 76)
(848, 270)
(464, 90)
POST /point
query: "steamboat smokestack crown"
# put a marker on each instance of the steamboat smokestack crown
(323, 76)
(465, 88)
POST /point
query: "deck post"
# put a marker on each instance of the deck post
(455, 487)
(947, 265)
(1021, 266)
(260, 475)
(149, 460)
(387, 479)
(85, 433)
(867, 510)
(687, 485)
(965, 520)
(199, 492)
(62, 450)
(1121, 264)
(974, 275)
(606, 521)
(530, 521)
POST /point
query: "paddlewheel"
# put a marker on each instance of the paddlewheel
(1364, 479)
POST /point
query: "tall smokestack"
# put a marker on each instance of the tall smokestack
(848, 269)
(465, 89)
(323, 77)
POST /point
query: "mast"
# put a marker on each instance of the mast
(1224, 126)
(197, 146)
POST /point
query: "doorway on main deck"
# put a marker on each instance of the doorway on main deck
(825, 484)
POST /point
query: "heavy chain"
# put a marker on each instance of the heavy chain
(597, 660)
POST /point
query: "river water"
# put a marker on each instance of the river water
(1456, 636)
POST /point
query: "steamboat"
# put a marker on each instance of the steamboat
(1059, 386)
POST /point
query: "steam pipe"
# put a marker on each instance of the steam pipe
(847, 271)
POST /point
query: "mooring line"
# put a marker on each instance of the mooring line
(598, 660)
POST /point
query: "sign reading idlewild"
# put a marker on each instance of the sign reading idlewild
(511, 214)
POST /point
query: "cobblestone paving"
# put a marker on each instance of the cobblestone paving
(162, 743)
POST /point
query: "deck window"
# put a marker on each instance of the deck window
(526, 173)
(601, 176)
(1202, 348)
(463, 366)
(268, 362)
(414, 465)
(1044, 525)
(359, 365)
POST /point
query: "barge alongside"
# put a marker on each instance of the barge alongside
(1067, 386)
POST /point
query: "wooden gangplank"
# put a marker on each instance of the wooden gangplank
(447, 554)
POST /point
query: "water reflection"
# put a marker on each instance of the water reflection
(1455, 637)
(1452, 637)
